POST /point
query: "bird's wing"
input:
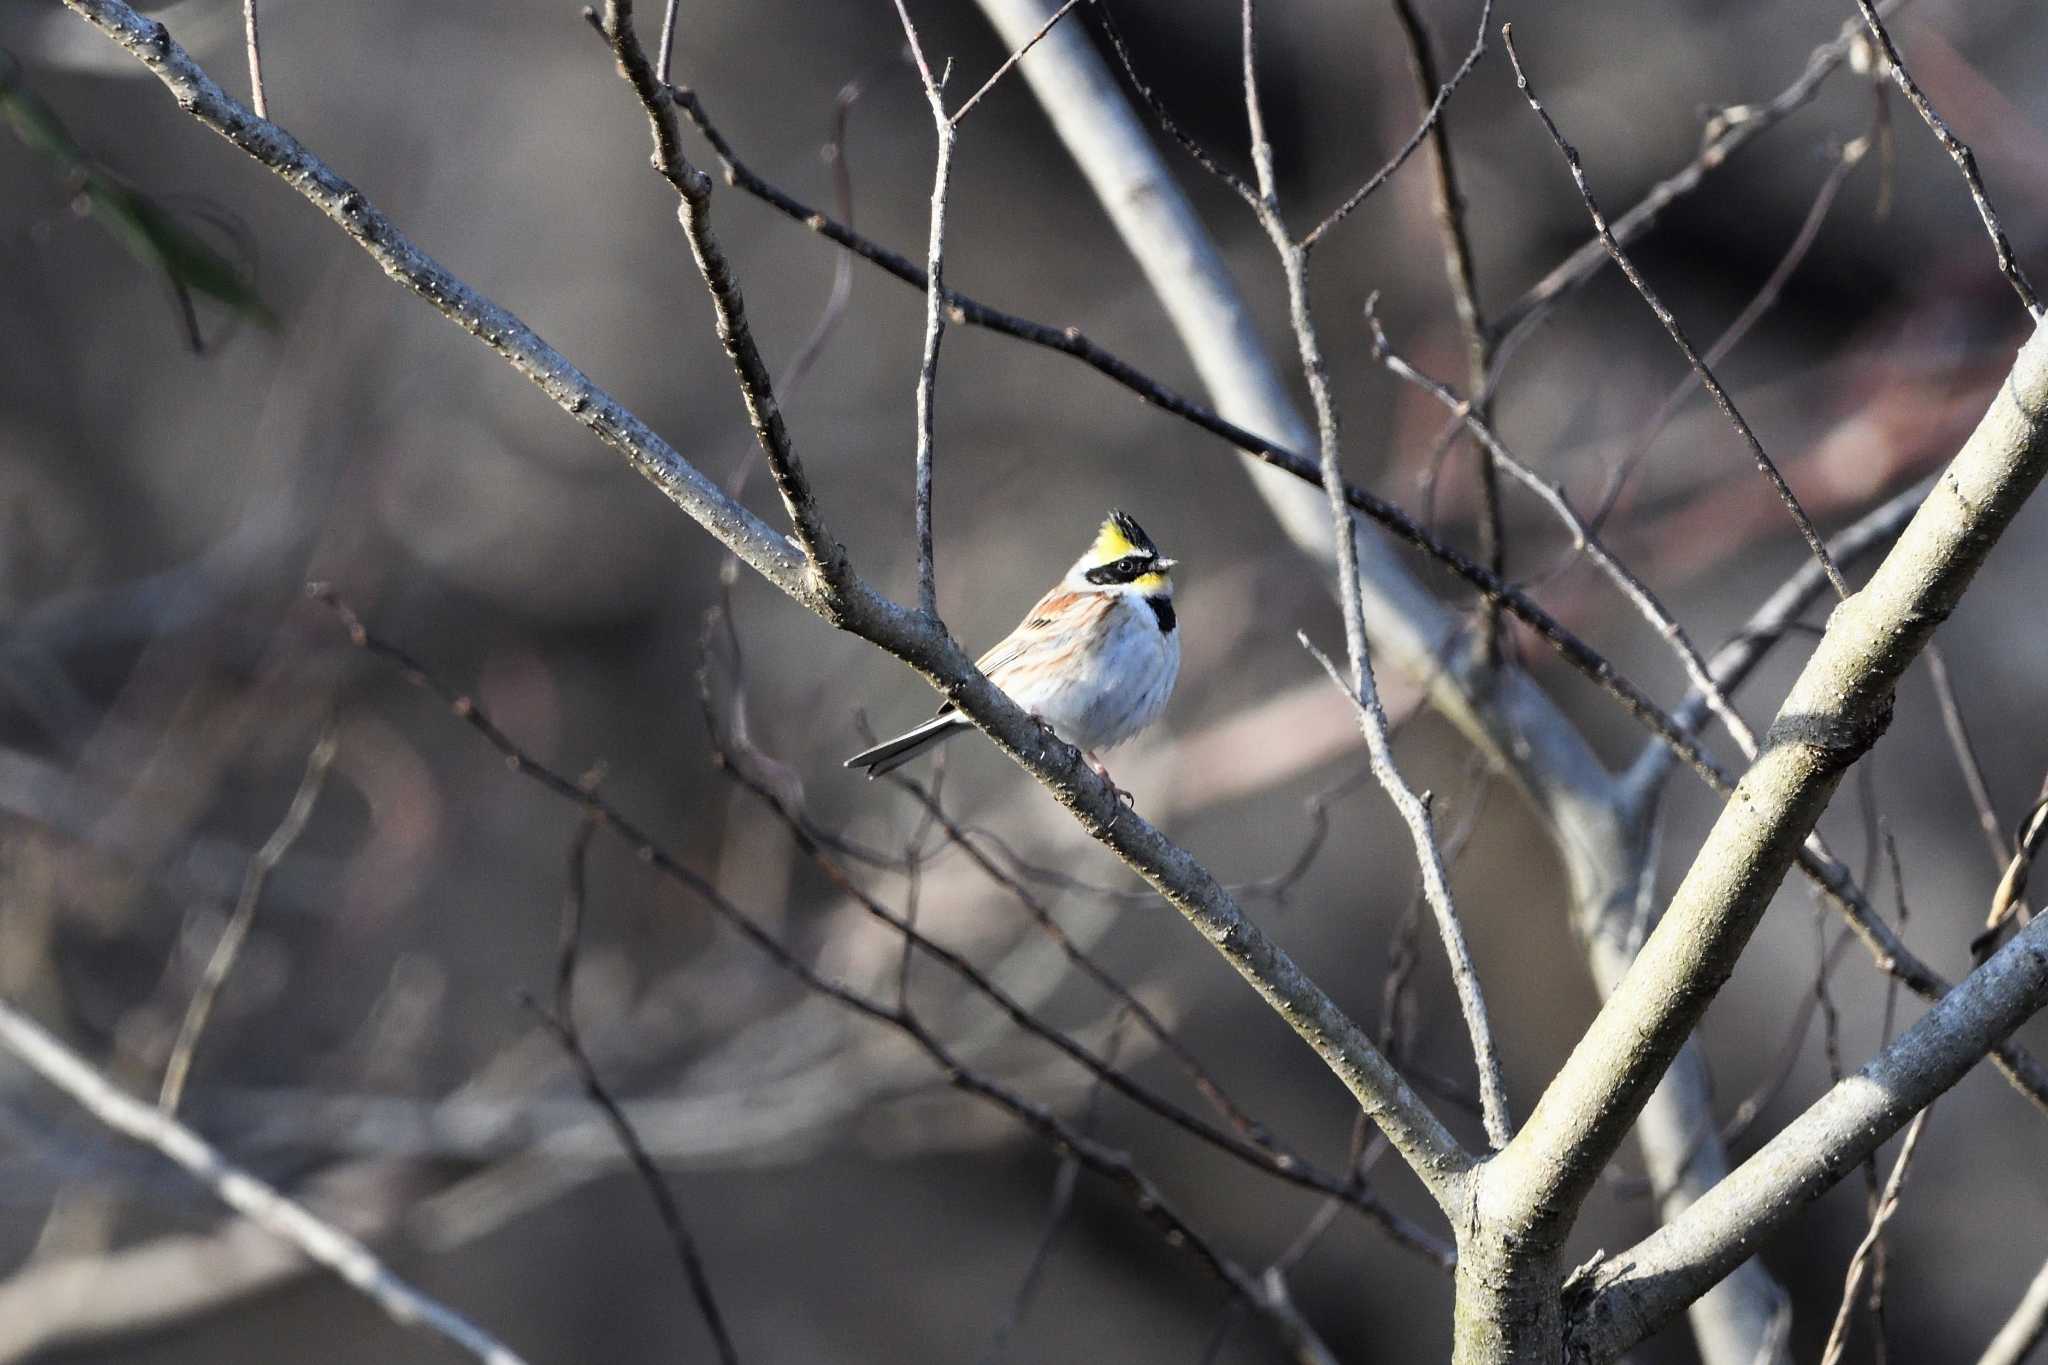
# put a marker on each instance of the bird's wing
(1055, 626)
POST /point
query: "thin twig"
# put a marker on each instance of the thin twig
(1966, 161)
(2024, 1330)
(1727, 132)
(934, 316)
(1009, 61)
(236, 932)
(261, 1204)
(1360, 686)
(1638, 593)
(666, 52)
(1461, 274)
(1407, 149)
(826, 558)
(1129, 1005)
(1965, 751)
(1859, 1263)
(252, 39)
(1760, 303)
(1436, 883)
(560, 1024)
(1672, 327)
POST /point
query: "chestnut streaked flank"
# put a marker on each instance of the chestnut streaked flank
(1095, 659)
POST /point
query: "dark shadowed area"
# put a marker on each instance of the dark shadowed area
(378, 1049)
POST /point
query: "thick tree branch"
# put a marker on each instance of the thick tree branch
(1630, 1296)
(1835, 711)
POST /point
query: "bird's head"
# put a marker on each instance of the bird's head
(1123, 559)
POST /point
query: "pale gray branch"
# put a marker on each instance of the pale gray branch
(320, 1241)
(1633, 1294)
(2023, 1331)
(1834, 712)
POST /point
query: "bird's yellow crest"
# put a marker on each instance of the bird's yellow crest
(1120, 536)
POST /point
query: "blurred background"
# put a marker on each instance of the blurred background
(162, 678)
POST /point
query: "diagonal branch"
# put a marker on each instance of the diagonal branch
(1958, 151)
(261, 1204)
(2025, 1329)
(1672, 327)
(1834, 712)
(215, 974)
(1636, 1292)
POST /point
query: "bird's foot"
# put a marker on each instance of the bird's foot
(1102, 772)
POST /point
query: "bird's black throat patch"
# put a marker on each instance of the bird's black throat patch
(1162, 607)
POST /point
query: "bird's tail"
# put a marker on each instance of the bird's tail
(892, 754)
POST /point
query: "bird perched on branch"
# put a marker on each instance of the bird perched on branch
(1095, 660)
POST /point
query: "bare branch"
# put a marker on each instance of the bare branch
(1009, 61)
(1629, 1297)
(665, 54)
(260, 1203)
(1834, 712)
(1760, 303)
(243, 917)
(1727, 133)
(1958, 732)
(1459, 271)
(1583, 538)
(825, 556)
(1671, 326)
(1436, 883)
(252, 39)
(934, 317)
(1360, 686)
(1873, 1240)
(1965, 160)
(2025, 1329)
(1407, 149)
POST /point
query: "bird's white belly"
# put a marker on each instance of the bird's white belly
(1118, 688)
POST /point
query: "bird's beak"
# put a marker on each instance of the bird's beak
(1162, 565)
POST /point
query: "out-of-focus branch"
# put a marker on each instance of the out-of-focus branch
(1462, 276)
(1630, 1296)
(236, 932)
(560, 1022)
(1873, 1240)
(2024, 1330)
(320, 1241)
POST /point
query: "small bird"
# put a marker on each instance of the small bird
(1095, 660)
